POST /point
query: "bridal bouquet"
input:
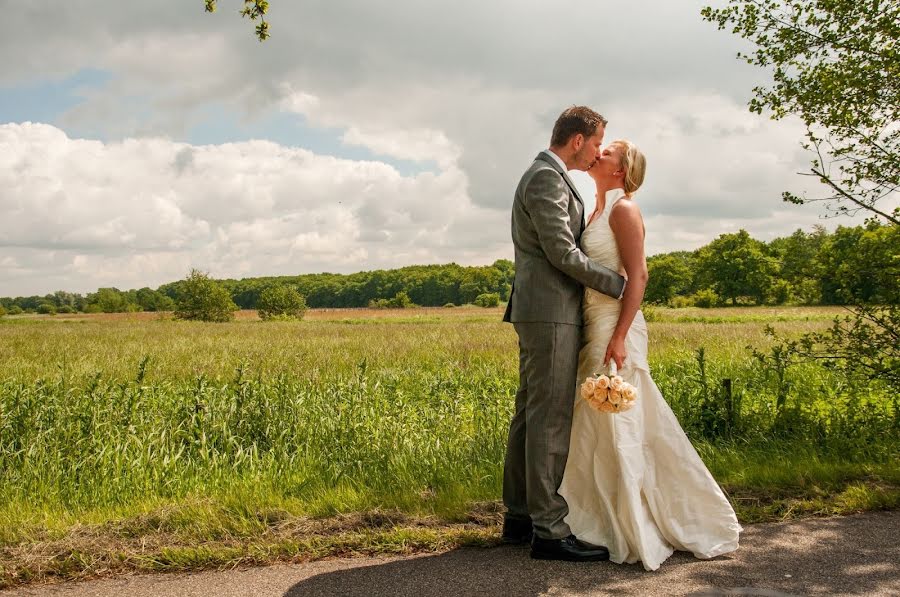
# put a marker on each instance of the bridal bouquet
(608, 393)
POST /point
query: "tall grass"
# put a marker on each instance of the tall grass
(105, 420)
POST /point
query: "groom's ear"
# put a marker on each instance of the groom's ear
(578, 141)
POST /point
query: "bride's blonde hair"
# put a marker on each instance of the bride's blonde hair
(634, 163)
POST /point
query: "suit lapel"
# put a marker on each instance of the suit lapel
(546, 158)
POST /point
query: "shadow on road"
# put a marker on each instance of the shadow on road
(849, 555)
(507, 571)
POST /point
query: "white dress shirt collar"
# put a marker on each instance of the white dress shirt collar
(558, 159)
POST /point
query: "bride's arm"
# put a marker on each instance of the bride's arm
(628, 228)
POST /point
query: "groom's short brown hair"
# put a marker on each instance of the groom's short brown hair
(574, 120)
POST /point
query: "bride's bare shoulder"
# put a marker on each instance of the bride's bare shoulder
(625, 209)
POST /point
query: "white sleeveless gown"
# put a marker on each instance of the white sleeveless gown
(633, 481)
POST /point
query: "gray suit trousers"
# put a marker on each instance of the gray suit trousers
(539, 432)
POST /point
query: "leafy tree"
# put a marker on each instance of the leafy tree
(202, 298)
(836, 65)
(153, 300)
(480, 280)
(801, 268)
(61, 298)
(253, 9)
(110, 300)
(669, 276)
(735, 265)
(15, 310)
(281, 302)
(861, 265)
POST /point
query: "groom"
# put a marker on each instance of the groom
(545, 308)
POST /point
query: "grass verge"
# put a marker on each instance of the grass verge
(159, 541)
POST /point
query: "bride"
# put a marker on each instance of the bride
(633, 481)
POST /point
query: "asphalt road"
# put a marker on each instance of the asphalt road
(853, 555)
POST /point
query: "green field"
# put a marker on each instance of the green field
(139, 442)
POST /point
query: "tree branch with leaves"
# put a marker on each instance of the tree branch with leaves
(253, 10)
(836, 65)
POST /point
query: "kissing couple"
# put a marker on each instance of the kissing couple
(580, 484)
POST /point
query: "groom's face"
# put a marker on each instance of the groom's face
(589, 151)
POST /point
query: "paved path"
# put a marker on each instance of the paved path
(854, 555)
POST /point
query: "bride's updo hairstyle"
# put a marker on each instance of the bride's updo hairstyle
(633, 163)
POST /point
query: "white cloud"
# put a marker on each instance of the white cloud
(472, 89)
(131, 213)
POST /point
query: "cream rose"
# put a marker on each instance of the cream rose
(606, 407)
(603, 382)
(630, 394)
(600, 394)
(588, 387)
(616, 382)
(615, 397)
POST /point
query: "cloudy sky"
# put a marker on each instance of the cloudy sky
(140, 139)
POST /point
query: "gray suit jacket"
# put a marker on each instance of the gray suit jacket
(551, 270)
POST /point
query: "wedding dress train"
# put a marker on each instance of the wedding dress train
(633, 481)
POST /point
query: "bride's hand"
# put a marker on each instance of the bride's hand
(615, 351)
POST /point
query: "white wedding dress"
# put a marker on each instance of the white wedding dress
(633, 481)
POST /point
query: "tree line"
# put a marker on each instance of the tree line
(859, 264)
(848, 266)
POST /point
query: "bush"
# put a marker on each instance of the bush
(706, 298)
(650, 312)
(449, 306)
(488, 299)
(681, 302)
(401, 300)
(204, 299)
(65, 309)
(281, 302)
(93, 308)
(46, 309)
(15, 310)
(2, 311)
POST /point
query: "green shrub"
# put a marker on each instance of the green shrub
(681, 302)
(46, 309)
(488, 299)
(401, 300)
(204, 299)
(449, 306)
(65, 309)
(706, 298)
(2, 311)
(281, 302)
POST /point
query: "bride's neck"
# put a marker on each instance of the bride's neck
(603, 189)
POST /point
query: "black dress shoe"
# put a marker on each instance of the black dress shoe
(569, 549)
(517, 531)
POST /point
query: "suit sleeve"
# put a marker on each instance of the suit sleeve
(547, 201)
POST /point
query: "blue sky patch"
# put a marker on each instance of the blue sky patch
(48, 99)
